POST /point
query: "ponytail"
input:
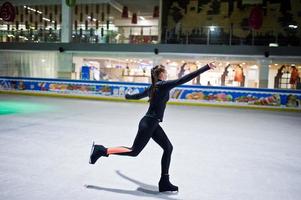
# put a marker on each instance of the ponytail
(155, 72)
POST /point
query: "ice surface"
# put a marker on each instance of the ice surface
(219, 153)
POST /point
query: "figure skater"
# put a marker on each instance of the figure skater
(158, 93)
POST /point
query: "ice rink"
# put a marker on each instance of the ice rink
(219, 153)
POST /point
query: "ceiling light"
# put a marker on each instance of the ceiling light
(292, 26)
(48, 20)
(273, 45)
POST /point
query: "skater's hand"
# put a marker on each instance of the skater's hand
(212, 65)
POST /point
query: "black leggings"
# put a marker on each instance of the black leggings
(150, 128)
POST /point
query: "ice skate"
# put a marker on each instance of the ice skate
(96, 152)
(166, 186)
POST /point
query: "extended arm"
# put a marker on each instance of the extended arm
(138, 95)
(186, 78)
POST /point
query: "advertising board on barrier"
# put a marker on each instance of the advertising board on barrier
(197, 94)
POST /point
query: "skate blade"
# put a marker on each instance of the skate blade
(92, 149)
(170, 192)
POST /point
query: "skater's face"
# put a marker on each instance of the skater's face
(159, 72)
(163, 75)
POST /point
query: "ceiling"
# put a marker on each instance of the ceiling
(142, 7)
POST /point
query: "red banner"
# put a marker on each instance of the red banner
(256, 18)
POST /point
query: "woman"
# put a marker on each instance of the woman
(149, 126)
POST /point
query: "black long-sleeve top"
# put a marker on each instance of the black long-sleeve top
(158, 102)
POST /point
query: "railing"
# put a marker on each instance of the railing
(217, 35)
(30, 36)
(78, 36)
(207, 35)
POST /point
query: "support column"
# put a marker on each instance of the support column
(66, 26)
(263, 73)
(65, 65)
(160, 22)
(156, 60)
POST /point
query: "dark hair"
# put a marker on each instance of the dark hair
(155, 72)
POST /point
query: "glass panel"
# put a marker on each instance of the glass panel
(29, 64)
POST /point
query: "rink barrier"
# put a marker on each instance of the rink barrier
(269, 99)
(145, 101)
